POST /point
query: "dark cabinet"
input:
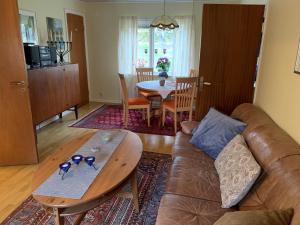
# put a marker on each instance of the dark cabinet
(53, 90)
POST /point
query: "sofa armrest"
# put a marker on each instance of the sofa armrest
(188, 126)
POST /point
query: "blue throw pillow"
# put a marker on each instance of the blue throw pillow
(215, 131)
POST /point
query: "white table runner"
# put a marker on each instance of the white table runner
(154, 85)
(79, 178)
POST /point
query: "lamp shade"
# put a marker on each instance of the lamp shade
(164, 22)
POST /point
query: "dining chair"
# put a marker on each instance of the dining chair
(133, 103)
(195, 73)
(183, 99)
(146, 74)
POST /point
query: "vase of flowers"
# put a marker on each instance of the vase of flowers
(163, 65)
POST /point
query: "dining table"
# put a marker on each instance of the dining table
(154, 85)
(164, 91)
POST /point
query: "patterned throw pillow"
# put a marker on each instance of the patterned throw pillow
(237, 171)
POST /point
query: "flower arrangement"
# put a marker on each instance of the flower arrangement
(141, 62)
(163, 64)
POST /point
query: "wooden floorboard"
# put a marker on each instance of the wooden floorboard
(15, 181)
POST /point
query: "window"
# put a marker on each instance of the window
(143, 58)
(153, 44)
(141, 46)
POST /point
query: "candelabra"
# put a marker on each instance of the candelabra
(62, 48)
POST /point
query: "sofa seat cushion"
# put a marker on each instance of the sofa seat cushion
(182, 210)
(184, 148)
(195, 178)
(188, 153)
(183, 140)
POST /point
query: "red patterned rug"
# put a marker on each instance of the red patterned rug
(152, 173)
(110, 117)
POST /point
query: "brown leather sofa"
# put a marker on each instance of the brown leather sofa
(192, 194)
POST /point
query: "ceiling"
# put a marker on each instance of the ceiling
(161, 1)
(142, 1)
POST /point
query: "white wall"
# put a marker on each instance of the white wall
(102, 23)
(50, 8)
(102, 33)
(278, 87)
(102, 20)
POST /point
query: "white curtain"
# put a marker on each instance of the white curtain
(127, 44)
(127, 50)
(184, 46)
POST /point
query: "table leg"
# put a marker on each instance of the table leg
(134, 188)
(59, 220)
(79, 219)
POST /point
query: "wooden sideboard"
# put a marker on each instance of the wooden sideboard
(53, 90)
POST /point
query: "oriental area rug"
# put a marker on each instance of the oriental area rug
(152, 174)
(110, 117)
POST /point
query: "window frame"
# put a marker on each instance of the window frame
(145, 23)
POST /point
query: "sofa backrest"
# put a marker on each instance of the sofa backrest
(279, 156)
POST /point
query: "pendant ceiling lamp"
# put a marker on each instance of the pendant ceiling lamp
(164, 22)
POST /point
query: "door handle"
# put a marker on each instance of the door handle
(203, 83)
(17, 83)
(207, 83)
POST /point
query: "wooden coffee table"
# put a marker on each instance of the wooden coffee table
(121, 167)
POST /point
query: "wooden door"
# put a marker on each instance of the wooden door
(231, 37)
(71, 82)
(76, 30)
(17, 136)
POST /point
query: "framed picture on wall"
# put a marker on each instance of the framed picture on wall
(297, 64)
(55, 29)
(28, 27)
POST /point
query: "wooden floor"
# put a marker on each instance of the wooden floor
(15, 181)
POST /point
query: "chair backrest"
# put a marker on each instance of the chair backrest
(123, 88)
(194, 73)
(144, 74)
(184, 93)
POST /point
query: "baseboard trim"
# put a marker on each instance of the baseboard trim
(84, 116)
(51, 120)
(106, 101)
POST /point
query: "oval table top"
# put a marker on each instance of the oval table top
(153, 85)
(119, 167)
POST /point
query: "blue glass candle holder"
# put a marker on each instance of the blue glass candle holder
(90, 161)
(64, 168)
(77, 159)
